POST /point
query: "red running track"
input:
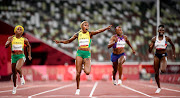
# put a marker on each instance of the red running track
(94, 89)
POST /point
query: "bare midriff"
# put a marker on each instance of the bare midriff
(118, 50)
(17, 52)
(84, 49)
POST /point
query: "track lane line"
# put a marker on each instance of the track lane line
(94, 87)
(23, 88)
(51, 90)
(136, 91)
(156, 87)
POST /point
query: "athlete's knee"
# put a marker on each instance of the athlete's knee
(87, 72)
(78, 73)
(163, 70)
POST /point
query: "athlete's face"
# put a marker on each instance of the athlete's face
(161, 30)
(85, 27)
(119, 30)
(19, 30)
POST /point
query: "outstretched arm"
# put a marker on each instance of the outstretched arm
(173, 48)
(8, 41)
(151, 45)
(67, 41)
(28, 48)
(128, 42)
(100, 30)
(112, 41)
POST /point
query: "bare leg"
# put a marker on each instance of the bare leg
(121, 60)
(163, 64)
(114, 70)
(14, 71)
(87, 65)
(78, 69)
(156, 69)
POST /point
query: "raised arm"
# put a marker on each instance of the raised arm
(8, 41)
(151, 45)
(173, 48)
(112, 41)
(128, 42)
(67, 41)
(28, 48)
(100, 30)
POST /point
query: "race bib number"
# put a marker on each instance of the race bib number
(84, 42)
(16, 47)
(120, 44)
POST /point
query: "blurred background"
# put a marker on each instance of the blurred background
(48, 20)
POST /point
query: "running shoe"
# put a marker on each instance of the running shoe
(77, 92)
(114, 82)
(22, 80)
(158, 90)
(14, 89)
(119, 82)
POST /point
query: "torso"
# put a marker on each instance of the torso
(118, 47)
(17, 45)
(160, 44)
(84, 41)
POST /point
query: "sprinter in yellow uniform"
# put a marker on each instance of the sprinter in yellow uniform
(17, 43)
(83, 51)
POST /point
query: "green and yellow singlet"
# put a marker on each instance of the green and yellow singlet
(84, 40)
(17, 44)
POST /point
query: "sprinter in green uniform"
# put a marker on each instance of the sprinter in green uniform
(83, 51)
(17, 43)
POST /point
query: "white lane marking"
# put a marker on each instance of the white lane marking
(22, 88)
(92, 91)
(156, 87)
(51, 90)
(135, 90)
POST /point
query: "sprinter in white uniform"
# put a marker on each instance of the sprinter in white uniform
(118, 57)
(160, 57)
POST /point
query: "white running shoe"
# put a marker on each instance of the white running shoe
(22, 80)
(119, 82)
(114, 82)
(14, 89)
(158, 90)
(77, 92)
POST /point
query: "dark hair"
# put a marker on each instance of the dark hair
(161, 26)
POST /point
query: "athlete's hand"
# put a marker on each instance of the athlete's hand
(174, 56)
(56, 41)
(30, 58)
(134, 52)
(109, 27)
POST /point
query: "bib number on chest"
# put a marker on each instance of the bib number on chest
(16, 47)
(84, 42)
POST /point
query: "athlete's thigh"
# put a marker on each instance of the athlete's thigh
(156, 64)
(163, 63)
(87, 63)
(19, 63)
(79, 61)
(121, 60)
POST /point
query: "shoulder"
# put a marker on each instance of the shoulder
(114, 36)
(10, 37)
(125, 36)
(25, 39)
(154, 38)
(167, 38)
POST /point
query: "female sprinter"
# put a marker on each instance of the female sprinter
(118, 57)
(160, 57)
(83, 51)
(17, 55)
